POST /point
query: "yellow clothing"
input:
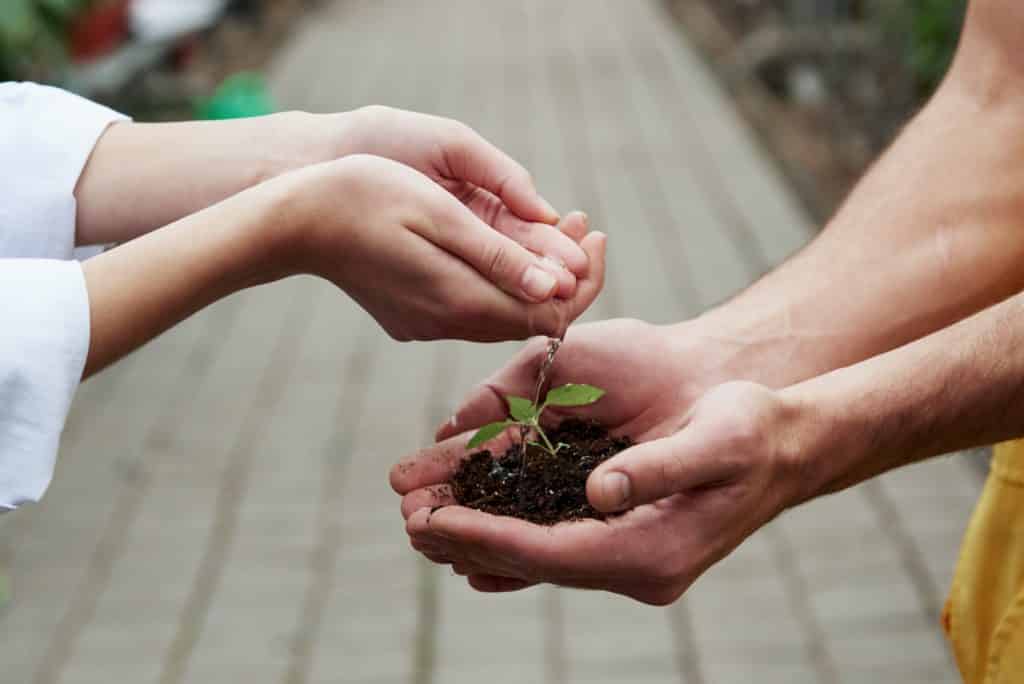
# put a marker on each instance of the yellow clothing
(984, 615)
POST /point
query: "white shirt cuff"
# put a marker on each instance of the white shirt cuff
(46, 138)
(44, 319)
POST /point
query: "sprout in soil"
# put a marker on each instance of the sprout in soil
(526, 414)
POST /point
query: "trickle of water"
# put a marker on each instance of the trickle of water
(554, 344)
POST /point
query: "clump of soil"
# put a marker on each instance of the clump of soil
(545, 489)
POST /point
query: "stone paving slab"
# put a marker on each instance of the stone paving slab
(221, 511)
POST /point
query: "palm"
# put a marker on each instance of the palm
(494, 187)
(648, 391)
(652, 552)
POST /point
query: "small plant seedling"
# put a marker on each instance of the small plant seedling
(526, 414)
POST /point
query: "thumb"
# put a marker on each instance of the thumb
(655, 470)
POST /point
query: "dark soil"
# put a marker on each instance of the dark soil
(546, 489)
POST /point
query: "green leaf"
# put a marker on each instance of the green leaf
(488, 432)
(521, 409)
(574, 395)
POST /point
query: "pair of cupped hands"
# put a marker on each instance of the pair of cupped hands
(455, 242)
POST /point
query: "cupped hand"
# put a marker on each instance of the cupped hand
(422, 264)
(495, 187)
(706, 473)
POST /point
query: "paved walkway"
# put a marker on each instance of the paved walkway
(221, 513)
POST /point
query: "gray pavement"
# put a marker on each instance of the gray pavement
(221, 511)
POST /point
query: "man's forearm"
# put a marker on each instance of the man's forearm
(931, 235)
(142, 288)
(960, 387)
(143, 176)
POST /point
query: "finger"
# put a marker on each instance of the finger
(492, 584)
(427, 497)
(560, 244)
(463, 550)
(437, 558)
(436, 464)
(436, 553)
(575, 226)
(513, 547)
(469, 157)
(486, 402)
(554, 317)
(596, 247)
(498, 258)
(655, 470)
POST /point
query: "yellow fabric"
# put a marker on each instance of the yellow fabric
(984, 615)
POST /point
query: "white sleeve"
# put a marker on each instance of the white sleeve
(46, 137)
(44, 340)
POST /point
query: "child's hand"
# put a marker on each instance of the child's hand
(424, 265)
(494, 186)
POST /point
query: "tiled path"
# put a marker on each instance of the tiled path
(222, 514)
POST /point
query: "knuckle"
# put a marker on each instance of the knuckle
(551, 320)
(461, 134)
(497, 262)
(376, 110)
(743, 434)
(526, 178)
(672, 471)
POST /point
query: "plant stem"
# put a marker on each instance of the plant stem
(551, 447)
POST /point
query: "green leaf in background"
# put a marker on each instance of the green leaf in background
(574, 395)
(19, 22)
(521, 409)
(64, 9)
(33, 37)
(929, 31)
(488, 432)
(241, 95)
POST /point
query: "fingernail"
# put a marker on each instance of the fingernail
(538, 284)
(586, 219)
(616, 488)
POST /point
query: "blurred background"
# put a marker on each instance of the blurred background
(826, 82)
(221, 510)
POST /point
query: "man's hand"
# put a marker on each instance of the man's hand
(723, 462)
(720, 478)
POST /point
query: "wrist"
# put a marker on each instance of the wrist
(296, 139)
(275, 239)
(730, 344)
(839, 437)
(809, 445)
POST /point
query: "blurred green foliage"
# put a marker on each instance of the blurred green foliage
(929, 31)
(33, 36)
